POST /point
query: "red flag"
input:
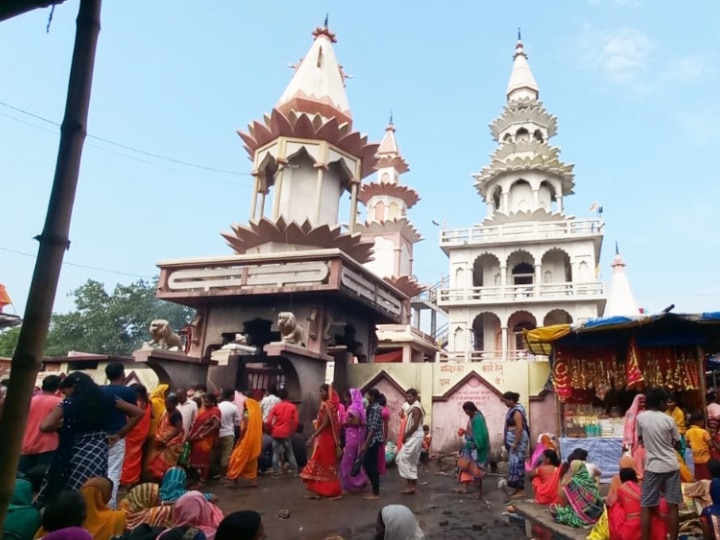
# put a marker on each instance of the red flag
(4, 297)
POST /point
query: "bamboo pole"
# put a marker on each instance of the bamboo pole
(27, 359)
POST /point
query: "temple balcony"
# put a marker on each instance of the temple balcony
(489, 356)
(543, 292)
(507, 233)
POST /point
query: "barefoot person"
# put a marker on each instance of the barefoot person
(244, 458)
(474, 453)
(320, 474)
(659, 434)
(517, 438)
(374, 439)
(409, 457)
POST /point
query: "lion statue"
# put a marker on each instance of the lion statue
(163, 337)
(290, 331)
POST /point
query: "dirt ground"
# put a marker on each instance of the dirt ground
(442, 514)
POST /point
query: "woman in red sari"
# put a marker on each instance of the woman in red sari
(135, 439)
(624, 514)
(546, 478)
(203, 436)
(320, 474)
(168, 440)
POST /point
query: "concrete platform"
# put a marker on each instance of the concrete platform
(541, 515)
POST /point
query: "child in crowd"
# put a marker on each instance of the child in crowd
(700, 442)
(425, 452)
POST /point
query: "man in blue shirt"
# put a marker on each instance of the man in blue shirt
(118, 424)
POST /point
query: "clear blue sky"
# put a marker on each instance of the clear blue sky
(633, 83)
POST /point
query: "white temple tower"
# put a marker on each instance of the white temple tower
(387, 202)
(621, 301)
(527, 264)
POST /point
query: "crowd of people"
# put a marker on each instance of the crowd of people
(669, 464)
(116, 462)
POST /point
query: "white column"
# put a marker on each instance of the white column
(318, 193)
(538, 279)
(504, 202)
(253, 204)
(353, 203)
(503, 280)
(504, 343)
(536, 198)
(278, 193)
(559, 204)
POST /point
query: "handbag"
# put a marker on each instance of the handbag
(357, 465)
(184, 455)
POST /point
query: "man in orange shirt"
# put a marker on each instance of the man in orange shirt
(283, 421)
(38, 447)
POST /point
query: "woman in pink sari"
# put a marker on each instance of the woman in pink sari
(354, 427)
(630, 438)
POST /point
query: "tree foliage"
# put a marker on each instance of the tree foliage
(106, 323)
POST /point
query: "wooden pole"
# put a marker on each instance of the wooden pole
(27, 360)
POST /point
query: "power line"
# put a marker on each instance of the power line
(34, 256)
(123, 146)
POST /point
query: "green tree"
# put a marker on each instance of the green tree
(8, 340)
(105, 323)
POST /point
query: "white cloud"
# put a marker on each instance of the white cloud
(622, 55)
(687, 69)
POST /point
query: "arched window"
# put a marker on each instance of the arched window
(523, 274)
(522, 133)
(538, 136)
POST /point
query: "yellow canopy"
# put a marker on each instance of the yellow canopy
(540, 339)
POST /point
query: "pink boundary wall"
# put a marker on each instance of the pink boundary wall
(448, 415)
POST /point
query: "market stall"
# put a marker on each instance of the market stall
(598, 368)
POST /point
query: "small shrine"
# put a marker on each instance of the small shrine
(296, 302)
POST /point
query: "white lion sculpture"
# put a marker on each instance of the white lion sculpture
(163, 337)
(290, 331)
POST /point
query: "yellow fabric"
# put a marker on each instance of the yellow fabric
(698, 440)
(243, 461)
(157, 400)
(101, 522)
(601, 530)
(678, 415)
(539, 339)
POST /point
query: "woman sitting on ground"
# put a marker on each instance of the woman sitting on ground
(65, 514)
(245, 525)
(193, 511)
(397, 522)
(101, 522)
(175, 485)
(23, 519)
(624, 515)
(626, 462)
(142, 505)
(546, 478)
(584, 505)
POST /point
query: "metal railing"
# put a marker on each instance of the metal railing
(514, 293)
(521, 231)
(488, 356)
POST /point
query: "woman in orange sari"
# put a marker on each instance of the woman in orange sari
(546, 478)
(203, 435)
(320, 474)
(168, 441)
(135, 439)
(624, 514)
(244, 458)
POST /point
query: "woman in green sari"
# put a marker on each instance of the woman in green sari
(585, 506)
(22, 520)
(474, 453)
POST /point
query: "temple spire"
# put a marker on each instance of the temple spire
(318, 84)
(620, 302)
(522, 83)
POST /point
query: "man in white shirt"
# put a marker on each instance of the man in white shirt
(269, 401)
(658, 433)
(229, 418)
(188, 409)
